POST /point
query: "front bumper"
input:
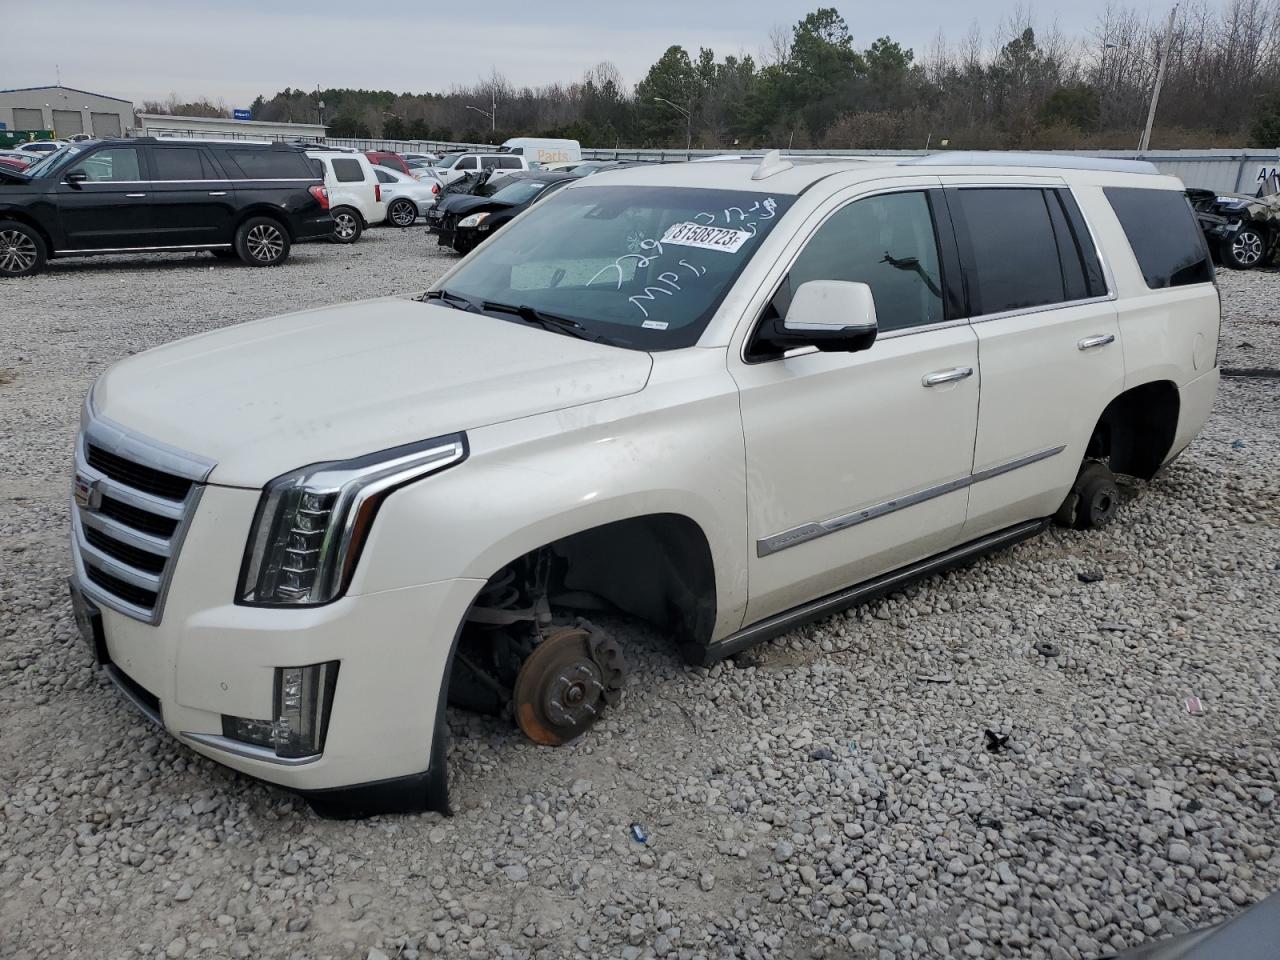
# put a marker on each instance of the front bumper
(208, 656)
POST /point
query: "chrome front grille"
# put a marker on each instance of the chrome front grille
(133, 499)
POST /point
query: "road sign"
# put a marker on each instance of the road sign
(242, 114)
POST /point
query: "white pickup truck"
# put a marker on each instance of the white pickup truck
(724, 397)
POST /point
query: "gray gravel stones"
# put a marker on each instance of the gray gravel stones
(827, 795)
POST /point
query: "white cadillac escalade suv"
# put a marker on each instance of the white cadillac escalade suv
(724, 397)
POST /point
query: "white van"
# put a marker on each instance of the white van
(355, 195)
(544, 150)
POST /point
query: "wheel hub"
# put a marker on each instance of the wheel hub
(566, 683)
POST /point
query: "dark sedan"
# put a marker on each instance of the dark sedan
(463, 221)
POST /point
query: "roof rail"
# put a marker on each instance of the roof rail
(1001, 158)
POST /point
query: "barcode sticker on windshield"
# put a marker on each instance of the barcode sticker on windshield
(704, 237)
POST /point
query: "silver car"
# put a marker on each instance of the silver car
(406, 198)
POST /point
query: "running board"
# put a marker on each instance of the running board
(780, 623)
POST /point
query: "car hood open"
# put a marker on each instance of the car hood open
(264, 398)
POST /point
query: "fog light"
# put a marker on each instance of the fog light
(303, 698)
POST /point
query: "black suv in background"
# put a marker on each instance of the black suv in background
(251, 200)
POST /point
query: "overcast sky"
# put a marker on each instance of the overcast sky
(236, 49)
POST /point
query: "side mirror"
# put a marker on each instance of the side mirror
(836, 316)
(76, 177)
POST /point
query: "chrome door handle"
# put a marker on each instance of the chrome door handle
(135, 194)
(1092, 343)
(946, 376)
(217, 193)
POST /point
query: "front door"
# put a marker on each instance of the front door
(194, 203)
(856, 462)
(111, 207)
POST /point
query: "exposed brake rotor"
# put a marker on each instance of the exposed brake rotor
(566, 683)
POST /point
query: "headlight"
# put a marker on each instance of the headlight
(474, 220)
(312, 523)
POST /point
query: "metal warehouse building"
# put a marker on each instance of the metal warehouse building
(66, 111)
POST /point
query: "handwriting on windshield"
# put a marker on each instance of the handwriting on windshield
(675, 278)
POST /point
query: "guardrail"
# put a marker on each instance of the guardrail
(1232, 170)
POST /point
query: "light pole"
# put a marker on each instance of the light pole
(688, 121)
(1145, 142)
(493, 123)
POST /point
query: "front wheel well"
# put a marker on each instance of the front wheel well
(1136, 431)
(29, 221)
(657, 567)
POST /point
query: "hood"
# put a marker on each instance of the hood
(264, 398)
(465, 203)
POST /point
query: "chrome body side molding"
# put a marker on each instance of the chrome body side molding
(812, 531)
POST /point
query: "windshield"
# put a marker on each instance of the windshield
(642, 267)
(53, 159)
(520, 191)
(448, 162)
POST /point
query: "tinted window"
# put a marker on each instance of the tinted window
(178, 163)
(270, 165)
(112, 164)
(1164, 235)
(348, 171)
(886, 242)
(466, 163)
(1012, 251)
(509, 163)
(1081, 241)
(384, 176)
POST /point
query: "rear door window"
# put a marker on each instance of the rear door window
(270, 165)
(1164, 235)
(180, 163)
(1011, 251)
(348, 171)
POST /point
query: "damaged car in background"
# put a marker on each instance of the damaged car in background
(296, 540)
(1242, 231)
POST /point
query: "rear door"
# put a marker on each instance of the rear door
(1049, 348)
(194, 202)
(111, 208)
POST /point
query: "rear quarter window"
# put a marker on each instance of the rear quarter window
(348, 171)
(270, 165)
(1164, 235)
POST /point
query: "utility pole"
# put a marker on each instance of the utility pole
(688, 121)
(1145, 142)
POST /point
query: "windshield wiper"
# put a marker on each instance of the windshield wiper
(548, 321)
(455, 300)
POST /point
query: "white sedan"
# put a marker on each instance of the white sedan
(406, 198)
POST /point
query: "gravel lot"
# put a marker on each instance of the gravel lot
(827, 795)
